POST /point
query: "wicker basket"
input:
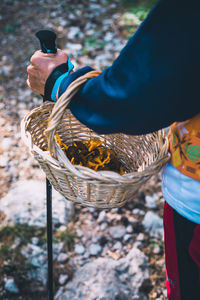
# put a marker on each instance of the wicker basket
(142, 156)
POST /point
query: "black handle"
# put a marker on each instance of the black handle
(47, 40)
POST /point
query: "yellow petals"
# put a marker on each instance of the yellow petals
(94, 143)
(60, 143)
(91, 154)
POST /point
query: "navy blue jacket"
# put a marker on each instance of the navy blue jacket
(155, 79)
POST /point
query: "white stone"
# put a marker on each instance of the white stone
(6, 70)
(35, 240)
(79, 232)
(137, 211)
(103, 226)
(117, 232)
(63, 279)
(107, 22)
(165, 293)
(90, 32)
(129, 229)
(88, 26)
(13, 170)
(63, 22)
(150, 201)
(37, 257)
(16, 243)
(31, 250)
(25, 203)
(53, 14)
(140, 237)
(103, 58)
(73, 47)
(105, 278)
(95, 249)
(62, 258)
(113, 5)
(6, 144)
(131, 18)
(73, 32)
(10, 286)
(156, 249)
(57, 248)
(71, 16)
(117, 246)
(102, 217)
(79, 249)
(62, 228)
(95, 7)
(153, 224)
(127, 237)
(4, 58)
(108, 36)
(3, 161)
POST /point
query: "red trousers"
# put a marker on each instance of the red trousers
(182, 256)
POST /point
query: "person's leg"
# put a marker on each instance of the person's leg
(194, 248)
(172, 278)
(182, 256)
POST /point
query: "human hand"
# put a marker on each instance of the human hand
(41, 66)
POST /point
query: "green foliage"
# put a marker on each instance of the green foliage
(4, 251)
(24, 232)
(155, 242)
(140, 12)
(12, 262)
(11, 28)
(5, 297)
(136, 3)
(93, 41)
(140, 8)
(68, 238)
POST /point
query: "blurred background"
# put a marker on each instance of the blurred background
(108, 254)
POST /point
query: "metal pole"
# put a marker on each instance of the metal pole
(49, 239)
(47, 41)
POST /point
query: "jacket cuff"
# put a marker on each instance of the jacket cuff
(53, 80)
(69, 79)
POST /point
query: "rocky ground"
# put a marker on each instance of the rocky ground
(120, 242)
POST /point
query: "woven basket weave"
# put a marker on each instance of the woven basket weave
(142, 156)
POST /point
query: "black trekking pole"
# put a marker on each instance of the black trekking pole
(47, 40)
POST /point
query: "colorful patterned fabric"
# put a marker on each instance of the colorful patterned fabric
(181, 192)
(185, 147)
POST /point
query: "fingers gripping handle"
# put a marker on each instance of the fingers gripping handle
(47, 40)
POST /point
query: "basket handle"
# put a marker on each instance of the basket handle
(61, 105)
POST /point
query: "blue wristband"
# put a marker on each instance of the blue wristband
(59, 80)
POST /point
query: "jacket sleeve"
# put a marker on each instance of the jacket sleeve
(153, 82)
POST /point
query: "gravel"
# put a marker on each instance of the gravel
(92, 33)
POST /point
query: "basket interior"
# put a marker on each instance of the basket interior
(134, 152)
